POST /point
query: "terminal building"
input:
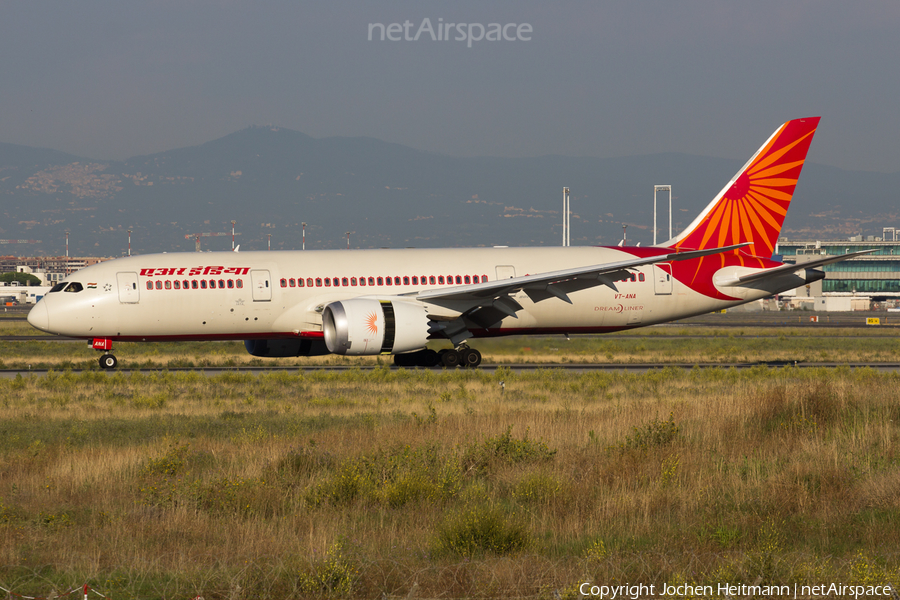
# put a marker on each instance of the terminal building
(875, 276)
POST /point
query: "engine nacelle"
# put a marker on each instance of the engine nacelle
(364, 326)
(284, 347)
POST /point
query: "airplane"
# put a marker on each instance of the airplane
(393, 302)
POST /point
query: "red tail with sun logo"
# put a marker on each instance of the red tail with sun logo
(752, 207)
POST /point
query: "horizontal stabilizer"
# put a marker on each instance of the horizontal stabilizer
(789, 268)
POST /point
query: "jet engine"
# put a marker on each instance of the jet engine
(363, 326)
(279, 348)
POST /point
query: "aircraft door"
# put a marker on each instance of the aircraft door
(505, 272)
(129, 293)
(662, 279)
(261, 284)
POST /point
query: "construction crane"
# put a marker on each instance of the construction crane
(20, 241)
(197, 236)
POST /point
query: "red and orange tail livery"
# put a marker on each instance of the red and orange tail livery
(752, 206)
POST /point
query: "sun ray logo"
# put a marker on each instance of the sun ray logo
(371, 321)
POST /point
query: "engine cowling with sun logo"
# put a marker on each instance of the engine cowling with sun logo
(365, 326)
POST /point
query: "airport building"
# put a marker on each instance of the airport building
(875, 276)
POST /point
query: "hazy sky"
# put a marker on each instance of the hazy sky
(113, 79)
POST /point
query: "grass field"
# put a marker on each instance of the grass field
(445, 484)
(661, 344)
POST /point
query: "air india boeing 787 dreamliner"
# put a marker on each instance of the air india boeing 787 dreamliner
(367, 302)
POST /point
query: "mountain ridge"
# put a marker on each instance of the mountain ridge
(271, 179)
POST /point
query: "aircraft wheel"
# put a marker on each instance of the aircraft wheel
(471, 358)
(108, 361)
(451, 359)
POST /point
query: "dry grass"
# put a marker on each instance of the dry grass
(670, 344)
(363, 483)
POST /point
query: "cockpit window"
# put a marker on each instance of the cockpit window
(73, 287)
(58, 287)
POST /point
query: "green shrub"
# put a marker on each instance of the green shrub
(536, 488)
(654, 434)
(334, 576)
(505, 450)
(480, 530)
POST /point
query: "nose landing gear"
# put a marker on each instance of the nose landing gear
(107, 361)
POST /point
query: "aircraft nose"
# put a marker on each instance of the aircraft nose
(39, 317)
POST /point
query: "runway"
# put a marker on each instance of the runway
(885, 367)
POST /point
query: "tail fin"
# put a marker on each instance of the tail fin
(752, 206)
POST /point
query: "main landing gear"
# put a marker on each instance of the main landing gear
(460, 357)
(107, 361)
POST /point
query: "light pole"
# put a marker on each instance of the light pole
(129, 242)
(232, 235)
(67, 253)
(348, 239)
(304, 235)
(269, 235)
(662, 188)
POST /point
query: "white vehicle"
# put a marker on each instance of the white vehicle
(366, 302)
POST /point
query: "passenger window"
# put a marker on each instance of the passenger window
(415, 280)
(458, 280)
(193, 284)
(467, 279)
(327, 282)
(484, 279)
(353, 281)
(440, 280)
(221, 284)
(230, 284)
(344, 281)
(362, 281)
(640, 277)
(318, 282)
(284, 283)
(186, 284)
(168, 284)
(388, 280)
(380, 281)
(149, 285)
(202, 284)
(240, 283)
(177, 284)
(406, 281)
(300, 282)
(158, 285)
(431, 280)
(371, 281)
(292, 282)
(309, 282)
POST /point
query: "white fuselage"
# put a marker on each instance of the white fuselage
(257, 294)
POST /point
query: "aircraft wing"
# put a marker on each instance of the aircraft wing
(790, 268)
(494, 298)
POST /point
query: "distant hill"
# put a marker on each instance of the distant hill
(270, 180)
